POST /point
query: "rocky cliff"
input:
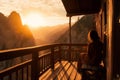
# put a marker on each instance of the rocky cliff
(13, 34)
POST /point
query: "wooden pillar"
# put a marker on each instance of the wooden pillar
(35, 67)
(70, 38)
(116, 40)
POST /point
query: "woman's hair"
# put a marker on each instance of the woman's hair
(94, 35)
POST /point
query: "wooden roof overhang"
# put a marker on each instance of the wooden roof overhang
(81, 7)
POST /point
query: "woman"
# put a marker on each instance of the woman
(95, 51)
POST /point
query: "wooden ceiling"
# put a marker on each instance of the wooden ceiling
(81, 7)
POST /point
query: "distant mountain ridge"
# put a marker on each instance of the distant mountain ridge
(48, 35)
(79, 30)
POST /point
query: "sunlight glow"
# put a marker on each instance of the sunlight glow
(34, 20)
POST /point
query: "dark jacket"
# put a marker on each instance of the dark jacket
(95, 52)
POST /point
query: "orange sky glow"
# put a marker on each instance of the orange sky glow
(36, 13)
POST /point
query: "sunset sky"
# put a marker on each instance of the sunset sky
(41, 12)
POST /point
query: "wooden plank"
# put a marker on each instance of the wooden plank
(69, 72)
(74, 72)
(47, 73)
(75, 75)
(63, 71)
(50, 74)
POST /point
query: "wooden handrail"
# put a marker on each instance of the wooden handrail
(12, 53)
(14, 68)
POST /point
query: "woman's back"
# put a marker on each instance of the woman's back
(95, 52)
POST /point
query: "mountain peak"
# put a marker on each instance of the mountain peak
(15, 19)
(3, 18)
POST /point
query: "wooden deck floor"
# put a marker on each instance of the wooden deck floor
(63, 71)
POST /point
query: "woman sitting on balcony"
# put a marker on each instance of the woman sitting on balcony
(94, 55)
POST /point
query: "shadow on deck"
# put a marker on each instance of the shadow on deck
(63, 70)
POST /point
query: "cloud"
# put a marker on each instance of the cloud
(53, 7)
(49, 8)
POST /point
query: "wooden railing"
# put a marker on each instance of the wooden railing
(39, 59)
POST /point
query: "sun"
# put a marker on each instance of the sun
(34, 20)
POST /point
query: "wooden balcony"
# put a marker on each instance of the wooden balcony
(56, 61)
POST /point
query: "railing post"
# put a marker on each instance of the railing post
(52, 58)
(59, 53)
(69, 52)
(35, 67)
